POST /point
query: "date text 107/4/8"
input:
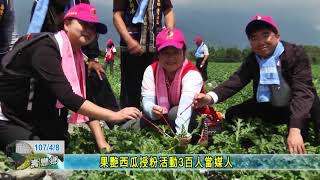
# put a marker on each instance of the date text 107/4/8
(47, 147)
(50, 147)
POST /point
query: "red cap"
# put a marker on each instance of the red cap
(258, 20)
(109, 42)
(170, 37)
(198, 39)
(87, 13)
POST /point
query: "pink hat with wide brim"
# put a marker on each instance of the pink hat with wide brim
(87, 13)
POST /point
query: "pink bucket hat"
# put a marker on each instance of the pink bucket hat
(87, 13)
(170, 37)
(261, 20)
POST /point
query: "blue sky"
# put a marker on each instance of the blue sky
(221, 23)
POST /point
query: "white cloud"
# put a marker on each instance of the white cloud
(248, 4)
(102, 2)
(213, 16)
(317, 27)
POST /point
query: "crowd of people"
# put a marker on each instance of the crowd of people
(51, 76)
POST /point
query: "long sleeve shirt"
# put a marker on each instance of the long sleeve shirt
(295, 69)
(191, 84)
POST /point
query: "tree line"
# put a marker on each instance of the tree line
(234, 54)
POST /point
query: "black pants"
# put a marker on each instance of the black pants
(1, 56)
(55, 127)
(315, 115)
(202, 70)
(271, 114)
(51, 128)
(100, 92)
(132, 69)
(108, 64)
(10, 132)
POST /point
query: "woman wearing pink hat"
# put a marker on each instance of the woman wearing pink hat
(109, 57)
(169, 85)
(47, 76)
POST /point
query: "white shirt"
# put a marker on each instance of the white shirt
(202, 51)
(2, 117)
(191, 84)
(114, 50)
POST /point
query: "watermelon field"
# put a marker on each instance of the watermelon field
(244, 136)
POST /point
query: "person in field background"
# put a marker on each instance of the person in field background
(109, 55)
(202, 55)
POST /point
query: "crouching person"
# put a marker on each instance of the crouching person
(282, 84)
(169, 85)
(43, 77)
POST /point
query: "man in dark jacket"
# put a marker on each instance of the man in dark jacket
(282, 84)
